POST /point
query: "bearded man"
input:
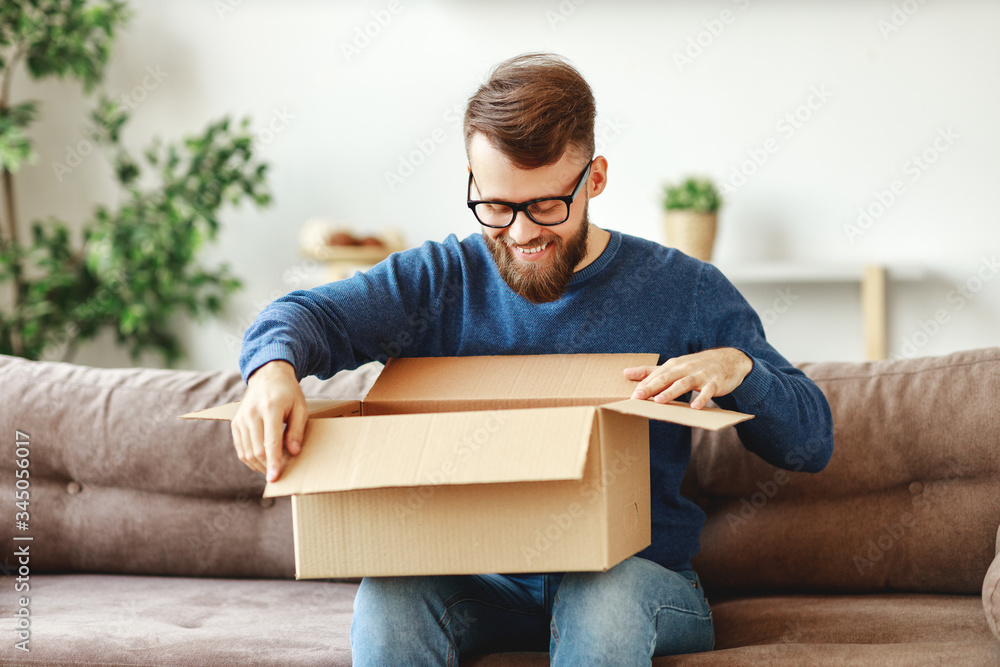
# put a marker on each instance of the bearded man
(540, 278)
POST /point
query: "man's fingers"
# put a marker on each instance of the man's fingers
(656, 382)
(272, 445)
(254, 431)
(296, 428)
(238, 443)
(676, 389)
(649, 380)
(715, 372)
(273, 395)
(704, 396)
(638, 372)
(244, 450)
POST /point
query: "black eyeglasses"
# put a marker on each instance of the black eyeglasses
(547, 211)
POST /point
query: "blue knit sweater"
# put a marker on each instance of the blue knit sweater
(448, 299)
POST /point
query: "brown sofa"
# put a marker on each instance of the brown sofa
(151, 544)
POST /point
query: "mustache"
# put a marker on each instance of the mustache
(536, 243)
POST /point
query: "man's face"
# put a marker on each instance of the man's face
(536, 261)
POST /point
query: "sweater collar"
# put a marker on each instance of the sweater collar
(599, 264)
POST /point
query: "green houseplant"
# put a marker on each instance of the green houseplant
(691, 216)
(134, 267)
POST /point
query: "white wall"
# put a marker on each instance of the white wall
(885, 98)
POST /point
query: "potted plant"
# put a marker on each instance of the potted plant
(691, 216)
(134, 266)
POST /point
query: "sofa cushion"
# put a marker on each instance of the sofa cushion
(880, 629)
(910, 500)
(117, 481)
(173, 621)
(976, 654)
(176, 621)
(873, 618)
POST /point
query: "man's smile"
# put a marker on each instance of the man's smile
(531, 253)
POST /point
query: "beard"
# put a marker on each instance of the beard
(537, 282)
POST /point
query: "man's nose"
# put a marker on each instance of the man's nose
(523, 230)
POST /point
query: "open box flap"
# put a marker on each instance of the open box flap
(505, 381)
(476, 447)
(678, 412)
(316, 407)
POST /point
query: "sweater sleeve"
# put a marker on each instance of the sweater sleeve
(407, 305)
(792, 426)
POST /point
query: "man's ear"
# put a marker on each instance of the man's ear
(598, 178)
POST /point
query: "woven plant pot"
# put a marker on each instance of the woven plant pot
(690, 232)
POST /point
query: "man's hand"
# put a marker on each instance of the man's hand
(273, 398)
(711, 373)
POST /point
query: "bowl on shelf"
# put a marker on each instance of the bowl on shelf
(343, 250)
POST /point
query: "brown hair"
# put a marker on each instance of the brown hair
(532, 108)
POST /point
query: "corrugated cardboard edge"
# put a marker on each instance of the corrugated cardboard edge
(420, 384)
(678, 412)
(296, 537)
(316, 408)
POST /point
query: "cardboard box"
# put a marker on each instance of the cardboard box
(467, 465)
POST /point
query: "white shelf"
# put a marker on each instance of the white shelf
(871, 278)
(812, 272)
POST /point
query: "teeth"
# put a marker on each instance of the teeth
(532, 251)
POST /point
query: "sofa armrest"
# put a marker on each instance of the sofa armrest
(991, 592)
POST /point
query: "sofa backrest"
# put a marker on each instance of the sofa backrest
(117, 483)
(910, 500)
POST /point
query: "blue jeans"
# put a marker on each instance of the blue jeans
(625, 616)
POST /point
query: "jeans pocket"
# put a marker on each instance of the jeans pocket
(683, 631)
